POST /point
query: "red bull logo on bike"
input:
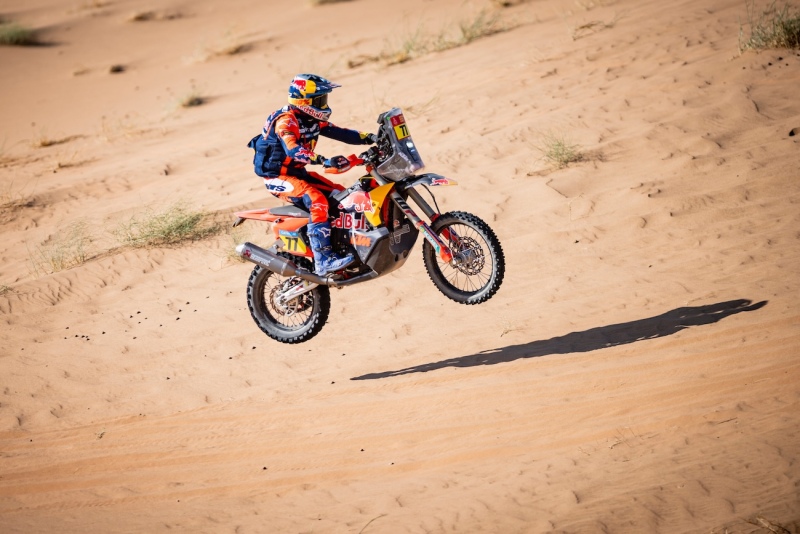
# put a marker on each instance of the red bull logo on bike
(358, 201)
(349, 221)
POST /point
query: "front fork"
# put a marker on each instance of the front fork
(438, 245)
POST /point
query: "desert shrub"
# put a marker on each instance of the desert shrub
(67, 248)
(237, 236)
(173, 225)
(558, 150)
(773, 27)
(419, 42)
(413, 44)
(147, 16)
(192, 100)
(12, 34)
(482, 24)
(12, 198)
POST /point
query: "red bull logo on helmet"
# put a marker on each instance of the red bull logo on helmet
(300, 84)
(358, 201)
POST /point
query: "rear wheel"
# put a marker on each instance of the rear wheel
(292, 321)
(476, 271)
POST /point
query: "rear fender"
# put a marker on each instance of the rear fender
(287, 229)
(262, 214)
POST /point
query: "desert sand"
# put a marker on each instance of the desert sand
(637, 372)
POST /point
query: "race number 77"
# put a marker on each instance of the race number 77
(401, 130)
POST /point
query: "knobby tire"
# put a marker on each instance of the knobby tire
(308, 316)
(474, 283)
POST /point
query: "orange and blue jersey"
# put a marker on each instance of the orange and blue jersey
(286, 143)
(284, 148)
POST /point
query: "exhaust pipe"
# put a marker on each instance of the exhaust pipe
(276, 264)
(282, 266)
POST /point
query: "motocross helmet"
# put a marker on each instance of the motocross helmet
(309, 94)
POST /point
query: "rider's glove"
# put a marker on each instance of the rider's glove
(340, 163)
(371, 138)
(318, 160)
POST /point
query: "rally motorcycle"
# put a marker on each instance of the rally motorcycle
(373, 221)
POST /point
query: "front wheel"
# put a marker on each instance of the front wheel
(478, 264)
(292, 321)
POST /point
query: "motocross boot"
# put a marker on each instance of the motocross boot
(325, 260)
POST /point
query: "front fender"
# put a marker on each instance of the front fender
(430, 179)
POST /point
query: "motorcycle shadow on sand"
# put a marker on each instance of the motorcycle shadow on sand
(598, 338)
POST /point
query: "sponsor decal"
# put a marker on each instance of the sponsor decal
(440, 181)
(319, 115)
(276, 185)
(361, 240)
(310, 133)
(395, 236)
(349, 221)
(358, 201)
(324, 232)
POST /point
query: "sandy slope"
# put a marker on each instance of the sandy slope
(637, 372)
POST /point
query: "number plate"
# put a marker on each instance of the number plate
(400, 128)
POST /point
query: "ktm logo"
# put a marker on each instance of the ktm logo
(361, 241)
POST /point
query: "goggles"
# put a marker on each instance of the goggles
(320, 102)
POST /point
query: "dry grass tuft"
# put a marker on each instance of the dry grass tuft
(237, 235)
(322, 2)
(589, 28)
(12, 34)
(174, 225)
(147, 16)
(558, 150)
(12, 198)
(230, 44)
(509, 3)
(419, 42)
(192, 99)
(483, 24)
(772, 27)
(44, 141)
(67, 248)
(95, 4)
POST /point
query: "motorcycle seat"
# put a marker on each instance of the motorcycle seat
(289, 211)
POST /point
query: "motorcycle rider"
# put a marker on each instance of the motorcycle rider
(284, 148)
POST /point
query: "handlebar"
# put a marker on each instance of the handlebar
(353, 159)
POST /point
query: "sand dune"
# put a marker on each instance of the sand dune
(636, 372)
